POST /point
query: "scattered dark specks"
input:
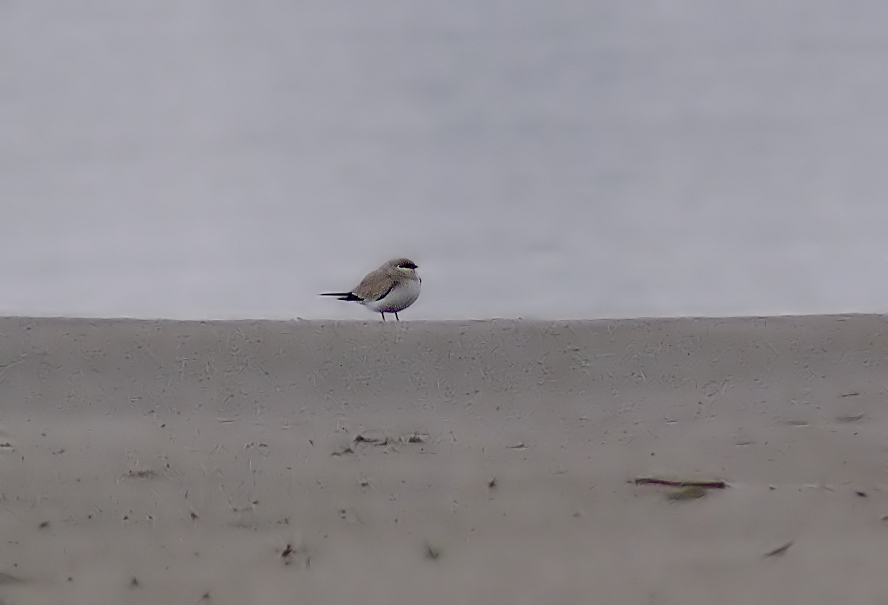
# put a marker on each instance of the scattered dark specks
(517, 446)
(344, 451)
(778, 551)
(849, 394)
(288, 550)
(44, 525)
(492, 483)
(206, 596)
(134, 583)
(860, 493)
(194, 516)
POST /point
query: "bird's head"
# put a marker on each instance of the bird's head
(404, 266)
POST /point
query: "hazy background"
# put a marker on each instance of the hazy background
(536, 159)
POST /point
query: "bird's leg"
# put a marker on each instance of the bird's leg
(396, 317)
(383, 316)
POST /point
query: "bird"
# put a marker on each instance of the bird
(390, 289)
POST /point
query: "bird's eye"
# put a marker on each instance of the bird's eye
(407, 266)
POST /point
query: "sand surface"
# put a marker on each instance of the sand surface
(457, 462)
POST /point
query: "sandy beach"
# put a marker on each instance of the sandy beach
(445, 462)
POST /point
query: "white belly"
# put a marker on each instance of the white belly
(401, 297)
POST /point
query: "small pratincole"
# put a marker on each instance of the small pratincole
(390, 289)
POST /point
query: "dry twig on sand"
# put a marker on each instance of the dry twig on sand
(670, 483)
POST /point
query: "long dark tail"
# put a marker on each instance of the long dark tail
(343, 295)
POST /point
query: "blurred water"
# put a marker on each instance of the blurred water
(536, 159)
